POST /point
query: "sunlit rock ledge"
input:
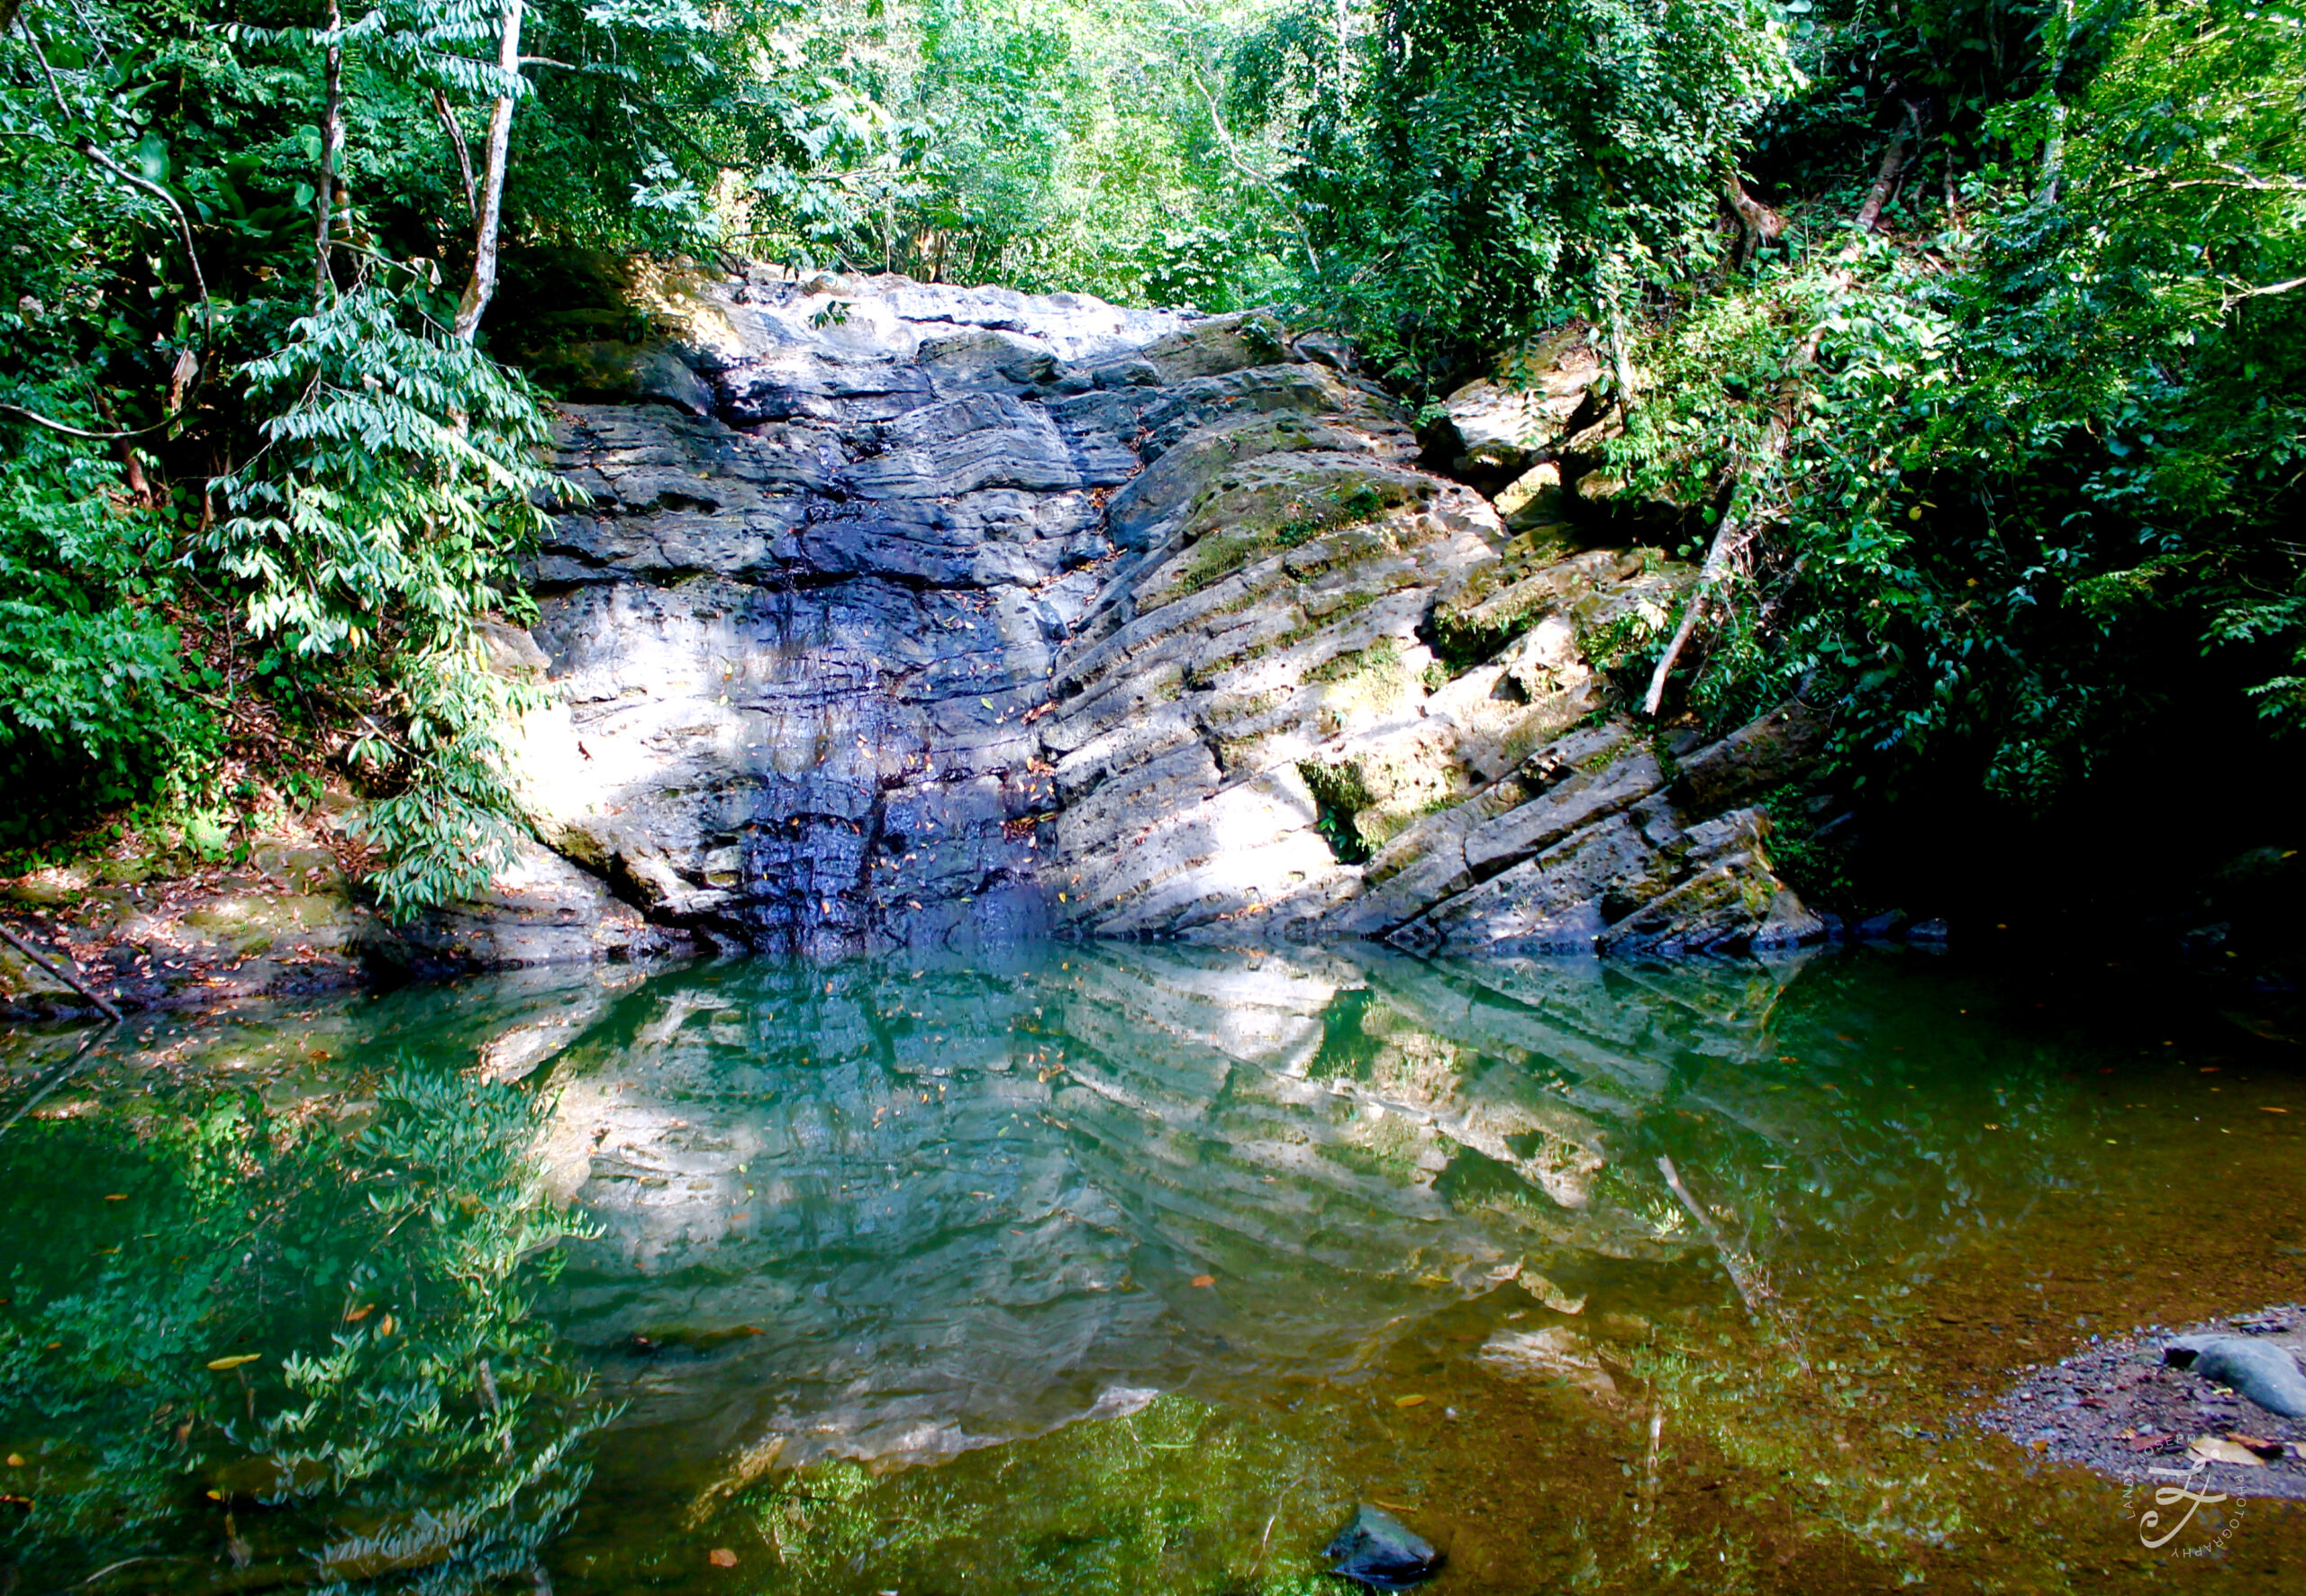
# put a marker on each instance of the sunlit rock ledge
(905, 614)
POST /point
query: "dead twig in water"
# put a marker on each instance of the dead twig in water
(38, 958)
(1754, 1293)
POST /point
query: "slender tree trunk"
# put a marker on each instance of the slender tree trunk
(1739, 517)
(463, 150)
(482, 284)
(332, 145)
(1620, 366)
(2054, 145)
(1885, 181)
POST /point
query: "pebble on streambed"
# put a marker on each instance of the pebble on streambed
(2227, 1394)
(1381, 1552)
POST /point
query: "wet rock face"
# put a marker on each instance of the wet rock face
(960, 615)
(798, 635)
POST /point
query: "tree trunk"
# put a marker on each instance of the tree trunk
(1893, 161)
(332, 145)
(463, 151)
(1737, 517)
(1756, 222)
(1621, 368)
(482, 284)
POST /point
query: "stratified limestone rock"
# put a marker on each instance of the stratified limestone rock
(1275, 678)
(1506, 422)
(967, 615)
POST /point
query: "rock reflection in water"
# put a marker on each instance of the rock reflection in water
(890, 1212)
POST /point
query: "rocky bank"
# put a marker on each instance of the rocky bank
(907, 615)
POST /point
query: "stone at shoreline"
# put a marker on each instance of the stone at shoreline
(1381, 1552)
(2259, 1370)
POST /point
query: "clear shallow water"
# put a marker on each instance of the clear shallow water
(1113, 1269)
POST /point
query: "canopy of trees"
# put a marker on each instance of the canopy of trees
(1968, 330)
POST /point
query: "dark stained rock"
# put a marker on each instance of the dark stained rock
(1381, 1552)
(1781, 745)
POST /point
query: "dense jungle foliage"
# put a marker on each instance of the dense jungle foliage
(1965, 332)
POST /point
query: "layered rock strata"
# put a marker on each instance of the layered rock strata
(905, 614)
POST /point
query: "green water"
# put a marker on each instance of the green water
(1117, 1269)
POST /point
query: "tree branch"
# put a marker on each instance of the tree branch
(482, 284)
(464, 151)
(74, 982)
(1893, 161)
(331, 144)
(1738, 519)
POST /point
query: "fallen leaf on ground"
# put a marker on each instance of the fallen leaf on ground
(15, 1460)
(122, 1196)
(1407, 1402)
(221, 1363)
(2219, 1449)
(2145, 1442)
(2268, 1107)
(722, 1557)
(1205, 1280)
(2266, 1449)
(353, 1316)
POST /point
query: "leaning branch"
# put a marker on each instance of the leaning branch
(464, 151)
(1886, 180)
(71, 980)
(1740, 517)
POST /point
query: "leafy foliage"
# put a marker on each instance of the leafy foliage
(383, 518)
(1473, 170)
(402, 1415)
(89, 669)
(2037, 469)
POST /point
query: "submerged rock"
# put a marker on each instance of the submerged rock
(1381, 1552)
(2259, 1370)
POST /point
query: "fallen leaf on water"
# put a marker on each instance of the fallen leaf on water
(1408, 1401)
(722, 1557)
(353, 1316)
(234, 1362)
(1205, 1280)
(2218, 1450)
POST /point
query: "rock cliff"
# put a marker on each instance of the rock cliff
(905, 613)
(899, 615)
